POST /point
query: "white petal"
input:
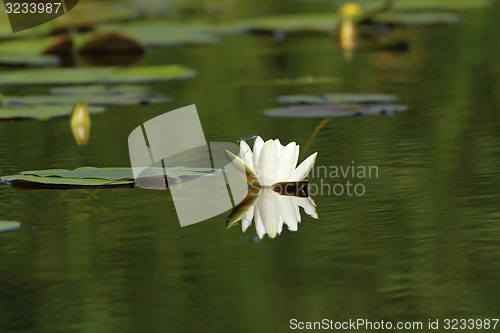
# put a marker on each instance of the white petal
(268, 163)
(308, 206)
(297, 210)
(279, 146)
(287, 212)
(246, 221)
(259, 227)
(257, 148)
(288, 161)
(246, 154)
(269, 212)
(303, 169)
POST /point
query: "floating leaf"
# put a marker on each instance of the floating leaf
(9, 226)
(295, 23)
(90, 177)
(401, 18)
(56, 183)
(92, 75)
(167, 35)
(333, 110)
(369, 5)
(337, 99)
(304, 80)
(99, 100)
(440, 4)
(99, 90)
(301, 99)
(28, 59)
(40, 112)
(151, 74)
(62, 45)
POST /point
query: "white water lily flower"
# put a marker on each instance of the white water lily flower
(271, 162)
(271, 211)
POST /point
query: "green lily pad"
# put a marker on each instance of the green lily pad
(369, 5)
(40, 112)
(301, 99)
(35, 182)
(440, 4)
(99, 90)
(28, 59)
(90, 177)
(151, 74)
(93, 75)
(166, 35)
(337, 99)
(408, 19)
(34, 45)
(333, 110)
(295, 23)
(99, 100)
(117, 173)
(9, 226)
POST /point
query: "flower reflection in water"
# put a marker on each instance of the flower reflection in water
(270, 211)
(276, 187)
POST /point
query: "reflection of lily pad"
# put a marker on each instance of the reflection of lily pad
(401, 18)
(332, 110)
(99, 90)
(9, 226)
(40, 112)
(28, 59)
(337, 99)
(110, 75)
(101, 100)
(89, 177)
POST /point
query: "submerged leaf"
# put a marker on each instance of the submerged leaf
(9, 225)
(40, 112)
(337, 99)
(333, 110)
(92, 75)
